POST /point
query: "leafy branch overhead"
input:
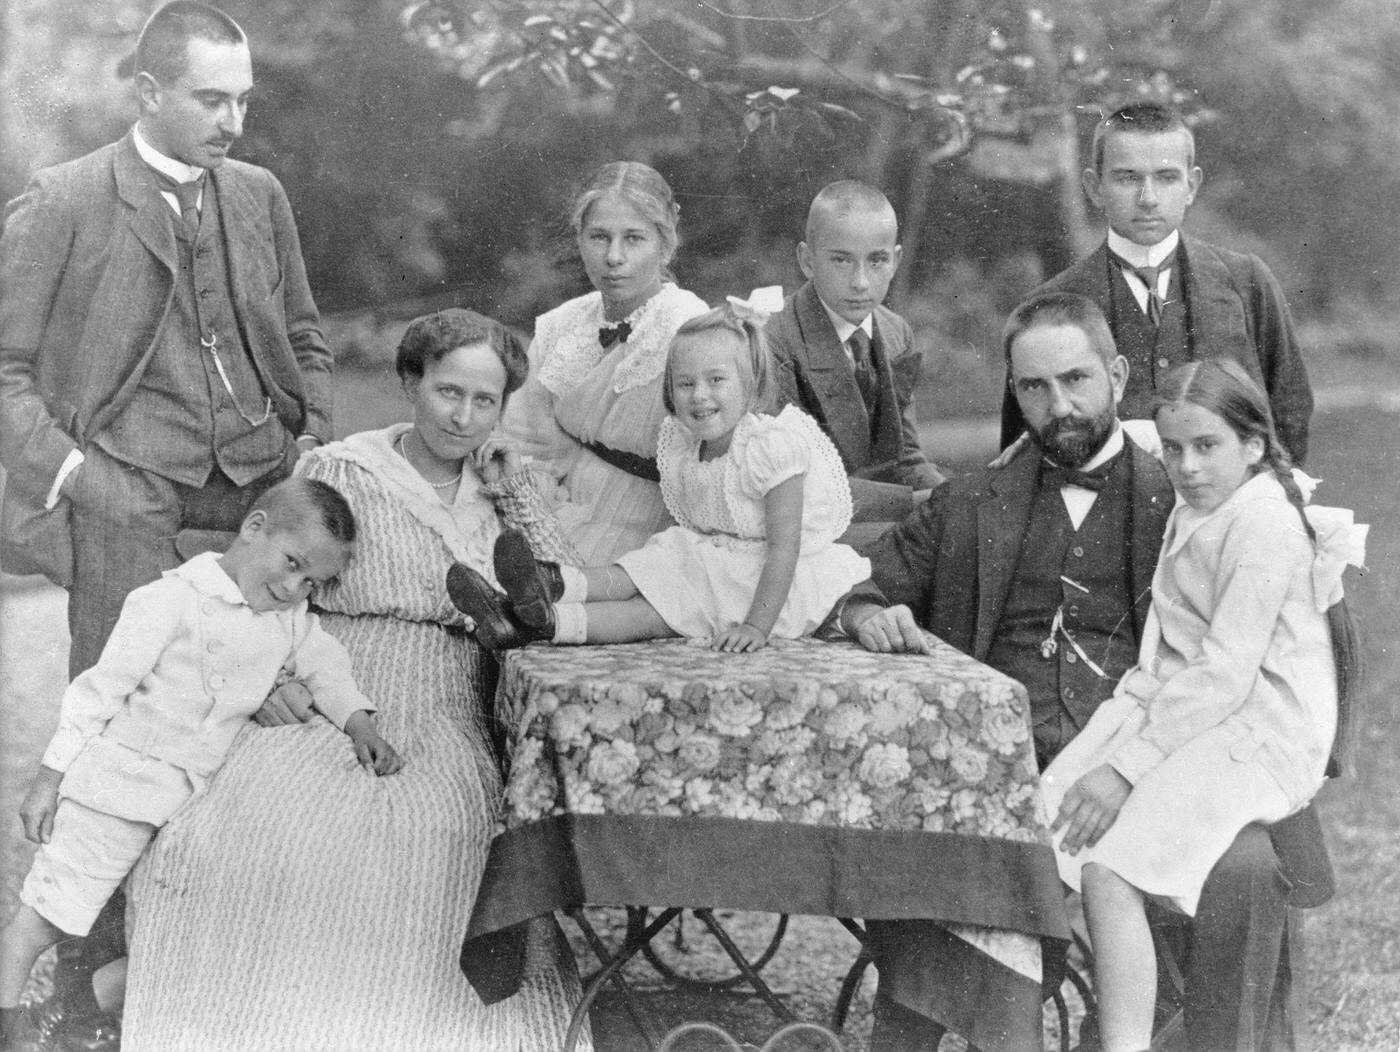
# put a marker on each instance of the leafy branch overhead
(949, 72)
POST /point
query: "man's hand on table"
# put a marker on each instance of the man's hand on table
(884, 629)
(1090, 807)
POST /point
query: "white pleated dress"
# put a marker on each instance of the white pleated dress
(303, 904)
(701, 575)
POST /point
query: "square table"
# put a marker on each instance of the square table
(807, 777)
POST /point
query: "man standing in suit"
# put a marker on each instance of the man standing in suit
(1170, 298)
(161, 358)
(1042, 569)
(848, 360)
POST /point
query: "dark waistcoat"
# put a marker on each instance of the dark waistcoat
(1096, 607)
(182, 421)
(1151, 350)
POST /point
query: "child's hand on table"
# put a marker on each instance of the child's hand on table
(739, 639)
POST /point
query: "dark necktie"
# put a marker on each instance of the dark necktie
(611, 334)
(1149, 276)
(859, 344)
(1057, 475)
(187, 194)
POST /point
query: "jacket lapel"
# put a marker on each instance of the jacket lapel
(843, 410)
(1216, 319)
(1150, 506)
(1002, 517)
(150, 220)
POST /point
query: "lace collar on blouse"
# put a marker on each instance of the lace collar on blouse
(567, 338)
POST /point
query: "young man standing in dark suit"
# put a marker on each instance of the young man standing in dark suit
(161, 357)
(1170, 298)
(1042, 568)
(848, 360)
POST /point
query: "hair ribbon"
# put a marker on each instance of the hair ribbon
(761, 305)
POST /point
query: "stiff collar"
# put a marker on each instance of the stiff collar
(844, 328)
(176, 170)
(1143, 256)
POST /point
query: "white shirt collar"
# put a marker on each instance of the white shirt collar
(1140, 255)
(844, 328)
(207, 577)
(177, 170)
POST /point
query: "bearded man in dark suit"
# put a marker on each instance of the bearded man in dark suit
(1042, 568)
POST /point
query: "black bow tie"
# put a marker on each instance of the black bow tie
(611, 334)
(1057, 475)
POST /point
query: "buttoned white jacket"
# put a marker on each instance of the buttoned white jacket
(188, 662)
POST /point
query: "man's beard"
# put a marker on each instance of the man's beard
(1072, 441)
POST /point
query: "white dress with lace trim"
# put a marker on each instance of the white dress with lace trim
(578, 390)
(700, 576)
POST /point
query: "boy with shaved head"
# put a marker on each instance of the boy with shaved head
(848, 360)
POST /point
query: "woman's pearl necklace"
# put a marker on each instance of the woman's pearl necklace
(403, 450)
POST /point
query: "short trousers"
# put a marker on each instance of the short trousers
(88, 855)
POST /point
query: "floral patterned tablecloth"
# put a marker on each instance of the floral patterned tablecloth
(809, 777)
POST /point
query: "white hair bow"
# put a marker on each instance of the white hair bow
(761, 305)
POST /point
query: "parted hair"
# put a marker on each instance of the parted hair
(750, 352)
(1144, 118)
(162, 49)
(1223, 387)
(1060, 308)
(290, 503)
(640, 186)
(431, 337)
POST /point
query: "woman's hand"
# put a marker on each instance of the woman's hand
(372, 752)
(288, 704)
(1091, 807)
(495, 459)
(739, 639)
(1007, 455)
(40, 804)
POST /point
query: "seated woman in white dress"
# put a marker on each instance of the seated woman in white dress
(759, 500)
(300, 903)
(591, 410)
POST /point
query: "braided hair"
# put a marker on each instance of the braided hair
(1222, 386)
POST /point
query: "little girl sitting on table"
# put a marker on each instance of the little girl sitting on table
(760, 501)
(1231, 711)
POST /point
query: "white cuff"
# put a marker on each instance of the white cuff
(69, 465)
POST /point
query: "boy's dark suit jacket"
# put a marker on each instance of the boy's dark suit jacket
(87, 264)
(884, 461)
(1235, 309)
(952, 563)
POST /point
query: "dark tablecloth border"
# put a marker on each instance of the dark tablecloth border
(563, 862)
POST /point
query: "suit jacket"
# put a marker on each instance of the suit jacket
(885, 461)
(87, 268)
(1235, 309)
(952, 562)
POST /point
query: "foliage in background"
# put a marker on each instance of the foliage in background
(430, 150)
